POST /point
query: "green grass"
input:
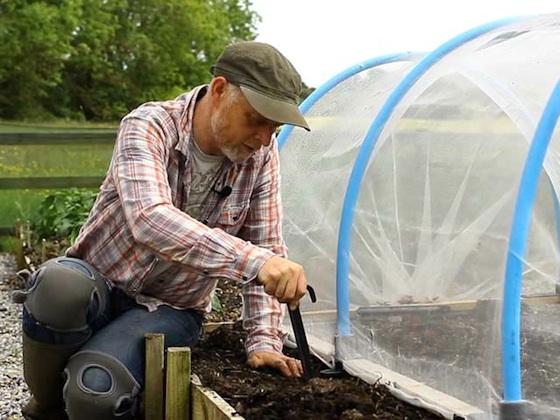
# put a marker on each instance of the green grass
(8, 244)
(51, 160)
(19, 205)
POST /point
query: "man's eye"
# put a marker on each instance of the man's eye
(260, 122)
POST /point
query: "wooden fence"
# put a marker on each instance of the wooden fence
(55, 139)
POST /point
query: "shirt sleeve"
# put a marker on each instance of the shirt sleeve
(139, 171)
(262, 313)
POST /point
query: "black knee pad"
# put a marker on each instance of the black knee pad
(64, 294)
(119, 400)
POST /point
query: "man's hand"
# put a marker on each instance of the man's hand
(288, 366)
(283, 279)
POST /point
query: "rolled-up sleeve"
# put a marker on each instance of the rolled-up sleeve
(262, 313)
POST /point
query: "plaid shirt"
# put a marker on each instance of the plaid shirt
(138, 220)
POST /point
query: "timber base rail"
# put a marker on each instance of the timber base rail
(172, 393)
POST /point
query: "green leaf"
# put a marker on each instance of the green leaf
(216, 303)
(62, 214)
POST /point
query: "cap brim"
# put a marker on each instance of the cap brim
(274, 109)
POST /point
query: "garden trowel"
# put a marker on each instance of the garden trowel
(301, 338)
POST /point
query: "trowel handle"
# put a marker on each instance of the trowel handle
(301, 341)
(301, 338)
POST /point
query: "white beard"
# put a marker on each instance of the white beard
(235, 154)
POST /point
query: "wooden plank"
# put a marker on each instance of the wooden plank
(178, 383)
(410, 390)
(208, 405)
(451, 306)
(325, 315)
(154, 390)
(22, 260)
(58, 138)
(395, 309)
(21, 183)
(541, 300)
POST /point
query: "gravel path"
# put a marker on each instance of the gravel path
(13, 390)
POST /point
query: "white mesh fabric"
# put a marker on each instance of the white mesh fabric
(315, 170)
(434, 214)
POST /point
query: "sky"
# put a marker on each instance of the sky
(324, 37)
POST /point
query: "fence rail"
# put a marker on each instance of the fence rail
(57, 138)
(54, 182)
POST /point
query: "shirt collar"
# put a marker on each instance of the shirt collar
(186, 137)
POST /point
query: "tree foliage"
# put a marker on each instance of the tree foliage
(97, 59)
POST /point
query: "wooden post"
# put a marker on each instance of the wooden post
(19, 251)
(43, 250)
(28, 232)
(177, 399)
(154, 392)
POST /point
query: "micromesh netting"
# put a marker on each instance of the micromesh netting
(434, 215)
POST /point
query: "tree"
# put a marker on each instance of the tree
(132, 51)
(97, 59)
(34, 44)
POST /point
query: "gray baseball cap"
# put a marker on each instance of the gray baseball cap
(268, 80)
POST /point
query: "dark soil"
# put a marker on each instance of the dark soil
(219, 361)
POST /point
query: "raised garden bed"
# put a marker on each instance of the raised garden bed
(455, 337)
(460, 339)
(219, 363)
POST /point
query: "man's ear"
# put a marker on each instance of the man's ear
(218, 87)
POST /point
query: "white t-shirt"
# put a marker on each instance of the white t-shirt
(204, 173)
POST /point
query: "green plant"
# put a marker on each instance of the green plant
(8, 244)
(216, 301)
(62, 213)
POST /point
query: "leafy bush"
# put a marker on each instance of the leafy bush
(62, 213)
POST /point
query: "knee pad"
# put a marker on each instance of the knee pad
(99, 387)
(64, 294)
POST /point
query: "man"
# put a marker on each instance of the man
(192, 195)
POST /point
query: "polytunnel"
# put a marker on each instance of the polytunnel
(424, 207)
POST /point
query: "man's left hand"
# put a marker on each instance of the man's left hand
(288, 366)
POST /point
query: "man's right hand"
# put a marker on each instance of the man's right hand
(283, 279)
